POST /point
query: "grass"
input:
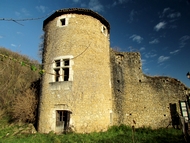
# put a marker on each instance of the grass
(115, 134)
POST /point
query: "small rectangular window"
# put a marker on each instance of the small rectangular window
(63, 21)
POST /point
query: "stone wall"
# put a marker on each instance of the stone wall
(139, 99)
(104, 87)
(88, 94)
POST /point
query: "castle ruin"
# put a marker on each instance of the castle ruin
(88, 86)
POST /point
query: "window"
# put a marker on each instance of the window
(104, 30)
(63, 21)
(62, 70)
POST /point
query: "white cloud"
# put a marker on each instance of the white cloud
(142, 48)
(165, 10)
(114, 3)
(174, 52)
(83, 5)
(173, 26)
(22, 12)
(143, 61)
(41, 8)
(25, 11)
(183, 41)
(117, 2)
(155, 41)
(95, 5)
(150, 55)
(123, 1)
(17, 13)
(131, 49)
(76, 1)
(19, 32)
(160, 25)
(174, 15)
(13, 45)
(185, 38)
(136, 38)
(146, 69)
(162, 59)
(131, 15)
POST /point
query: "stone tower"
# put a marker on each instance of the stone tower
(76, 86)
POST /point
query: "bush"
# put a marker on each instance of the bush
(24, 106)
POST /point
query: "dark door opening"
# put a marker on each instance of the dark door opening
(174, 115)
(62, 120)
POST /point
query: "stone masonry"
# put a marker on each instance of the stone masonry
(88, 87)
(141, 100)
(87, 93)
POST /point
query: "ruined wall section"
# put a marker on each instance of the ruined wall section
(139, 99)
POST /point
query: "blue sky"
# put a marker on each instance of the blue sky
(158, 29)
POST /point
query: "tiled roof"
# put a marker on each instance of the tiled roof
(77, 11)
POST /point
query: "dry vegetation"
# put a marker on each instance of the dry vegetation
(18, 96)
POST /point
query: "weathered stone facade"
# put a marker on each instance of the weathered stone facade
(87, 92)
(139, 99)
(89, 87)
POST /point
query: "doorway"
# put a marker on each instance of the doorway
(62, 120)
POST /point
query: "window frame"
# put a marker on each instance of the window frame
(62, 69)
(59, 21)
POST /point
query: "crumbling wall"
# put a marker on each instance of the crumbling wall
(139, 99)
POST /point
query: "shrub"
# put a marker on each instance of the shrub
(24, 106)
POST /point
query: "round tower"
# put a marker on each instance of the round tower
(76, 86)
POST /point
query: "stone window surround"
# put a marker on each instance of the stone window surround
(66, 17)
(62, 58)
